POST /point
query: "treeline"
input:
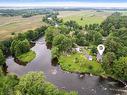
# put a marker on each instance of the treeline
(33, 83)
(24, 12)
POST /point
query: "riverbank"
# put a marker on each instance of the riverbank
(78, 63)
(26, 57)
(63, 80)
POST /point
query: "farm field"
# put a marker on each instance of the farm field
(9, 25)
(17, 24)
(87, 16)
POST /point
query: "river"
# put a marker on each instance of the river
(87, 85)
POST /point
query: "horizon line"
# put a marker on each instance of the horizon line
(66, 4)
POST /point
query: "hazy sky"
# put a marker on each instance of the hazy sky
(65, 3)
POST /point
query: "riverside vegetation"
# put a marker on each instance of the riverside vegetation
(66, 36)
(19, 47)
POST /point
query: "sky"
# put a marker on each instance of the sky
(65, 3)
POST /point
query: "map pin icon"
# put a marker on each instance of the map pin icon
(101, 49)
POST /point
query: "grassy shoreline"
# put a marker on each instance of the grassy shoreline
(77, 63)
(67, 63)
(27, 57)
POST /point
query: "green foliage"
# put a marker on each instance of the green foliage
(63, 29)
(27, 57)
(55, 52)
(120, 68)
(94, 49)
(62, 42)
(19, 47)
(72, 24)
(24, 12)
(94, 37)
(115, 44)
(115, 21)
(78, 63)
(7, 84)
(50, 33)
(108, 61)
(2, 58)
(81, 39)
(34, 83)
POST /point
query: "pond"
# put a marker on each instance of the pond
(85, 85)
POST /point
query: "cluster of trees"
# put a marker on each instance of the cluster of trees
(114, 22)
(19, 47)
(33, 83)
(19, 44)
(70, 33)
(24, 12)
(29, 35)
(114, 61)
(61, 42)
(112, 33)
(52, 19)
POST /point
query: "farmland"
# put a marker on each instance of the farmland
(16, 24)
(87, 16)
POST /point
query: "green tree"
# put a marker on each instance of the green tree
(50, 33)
(108, 61)
(62, 42)
(72, 25)
(2, 58)
(34, 83)
(120, 68)
(19, 47)
(55, 52)
(7, 84)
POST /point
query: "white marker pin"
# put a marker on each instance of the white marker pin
(101, 49)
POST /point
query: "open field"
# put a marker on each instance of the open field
(85, 17)
(18, 24)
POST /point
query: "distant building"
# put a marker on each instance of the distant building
(49, 18)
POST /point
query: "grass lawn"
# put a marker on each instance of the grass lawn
(78, 63)
(27, 57)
